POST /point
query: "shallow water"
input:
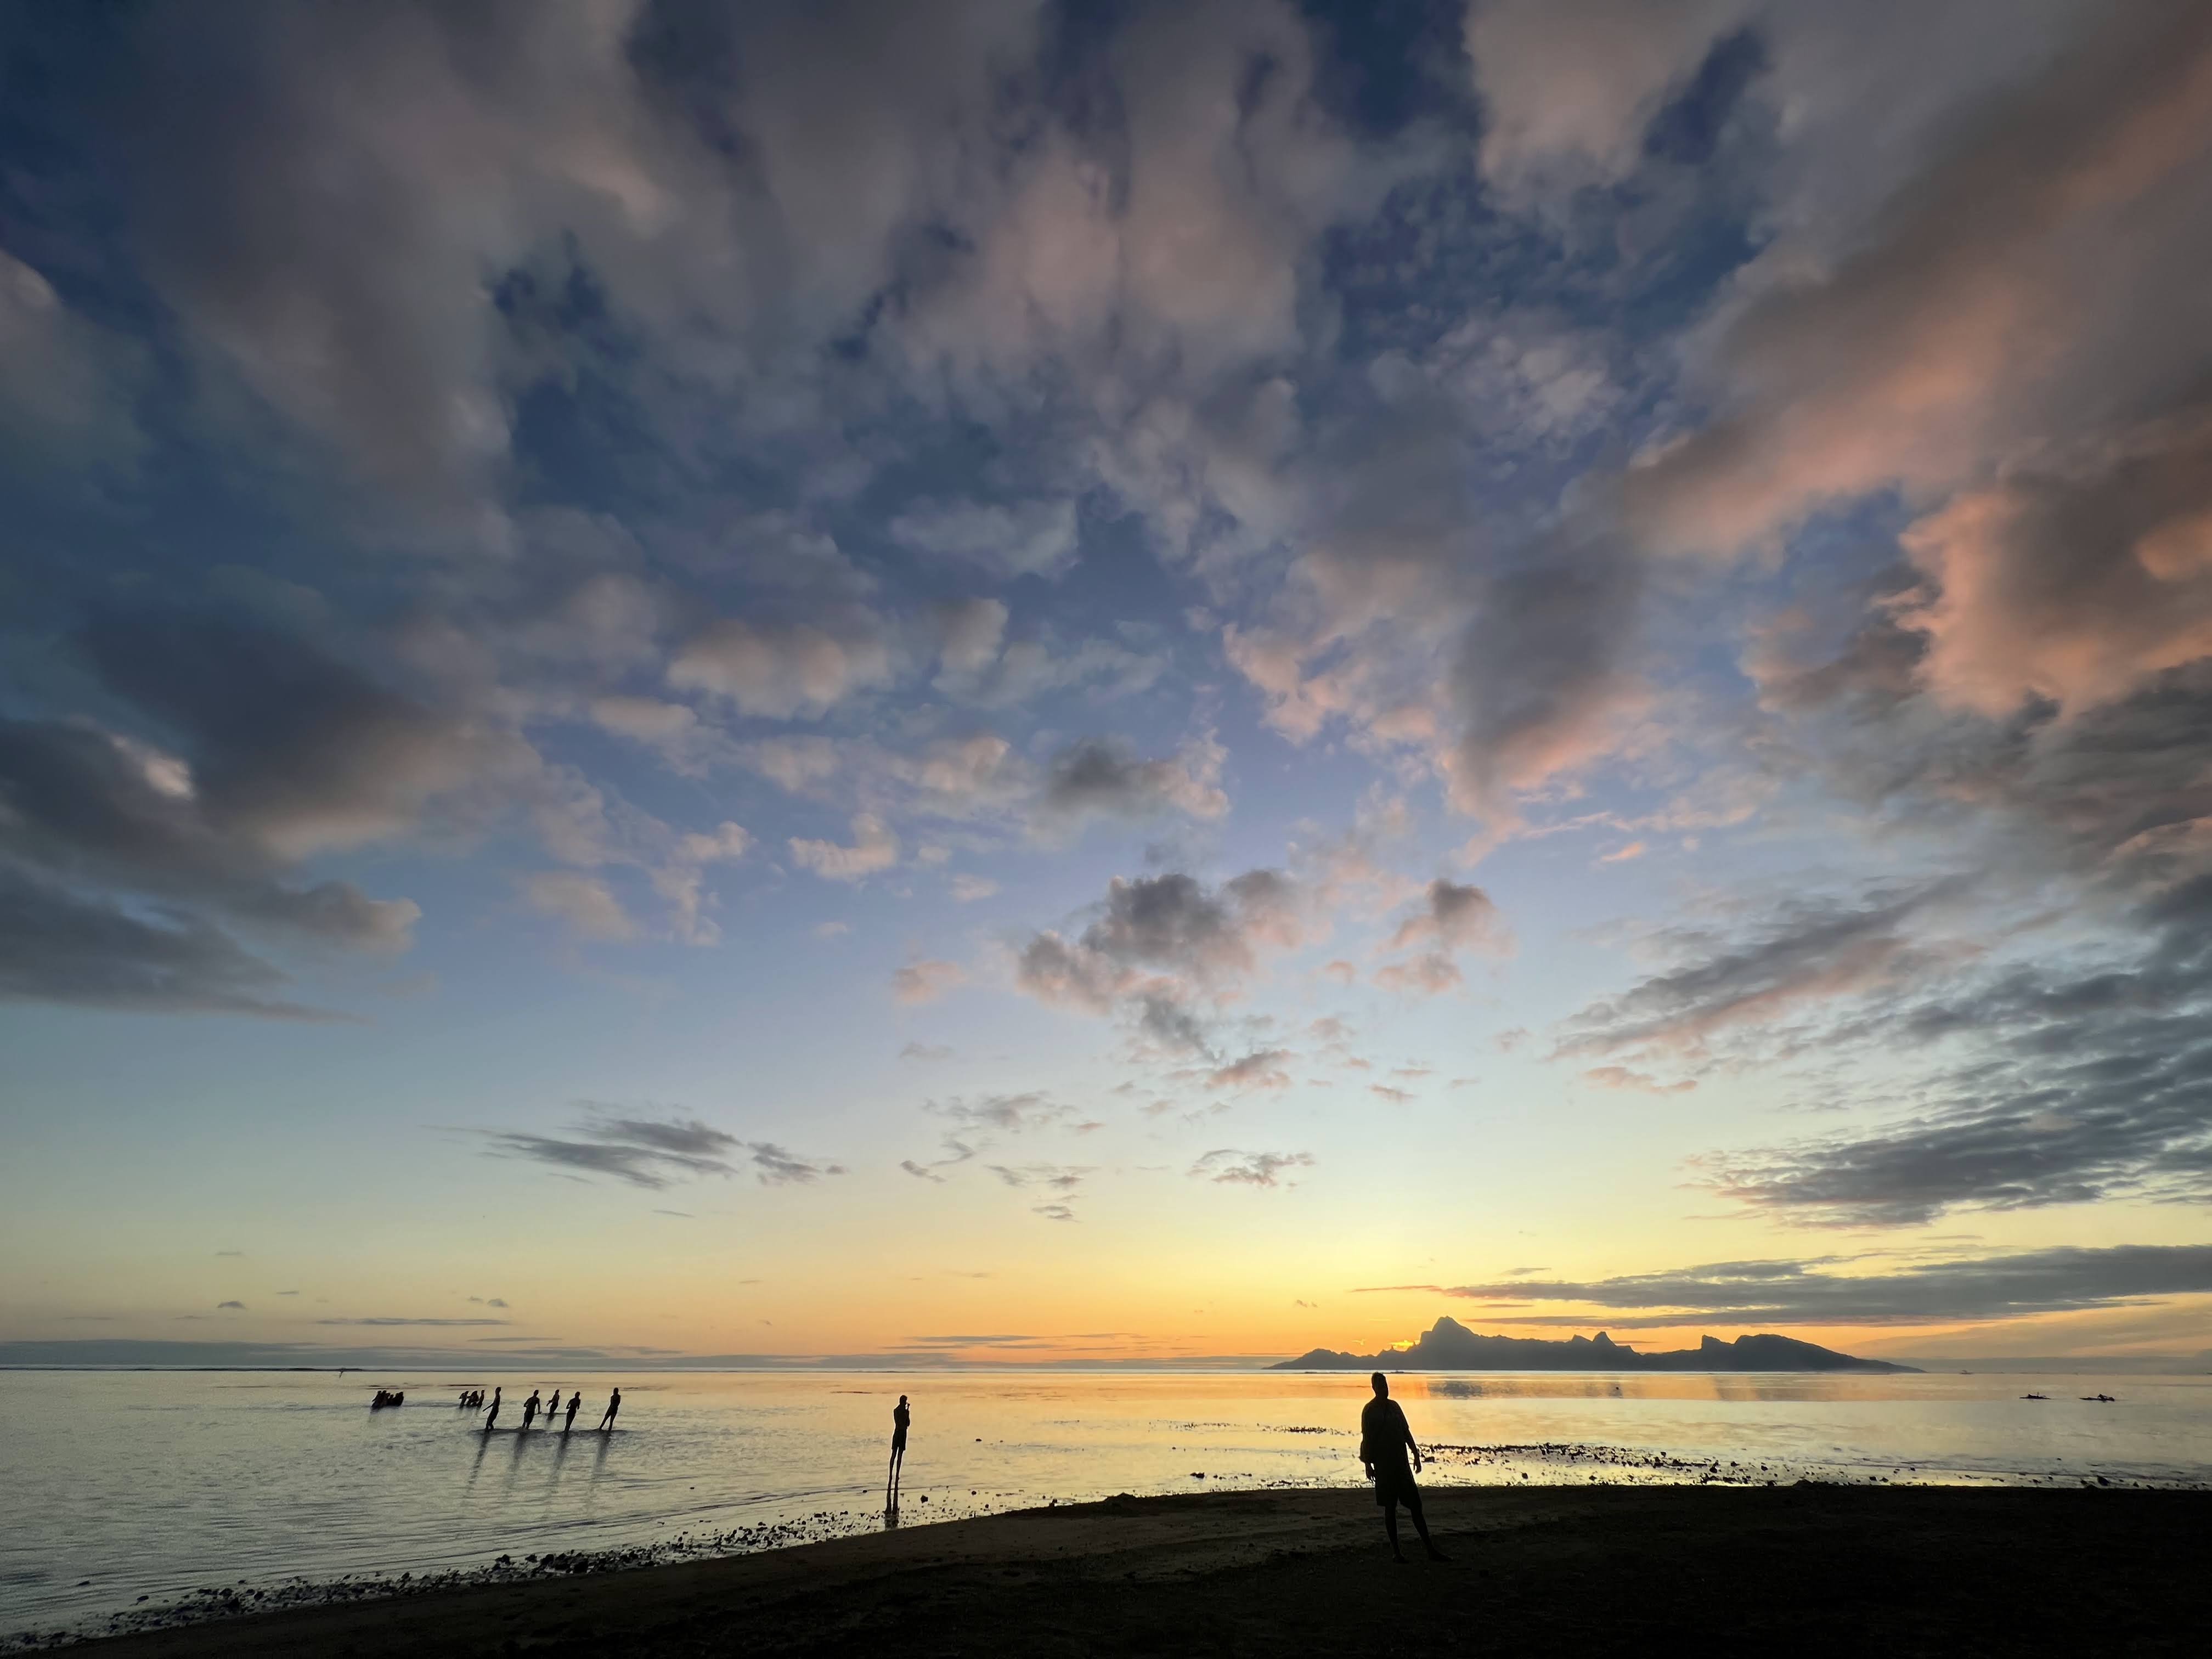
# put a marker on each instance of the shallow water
(143, 1486)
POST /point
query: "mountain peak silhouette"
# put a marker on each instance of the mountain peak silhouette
(1448, 1346)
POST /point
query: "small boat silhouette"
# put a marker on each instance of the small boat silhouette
(2035, 1396)
(2102, 1398)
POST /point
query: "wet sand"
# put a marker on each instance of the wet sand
(1796, 1571)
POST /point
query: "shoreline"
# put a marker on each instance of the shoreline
(1828, 1568)
(1558, 1464)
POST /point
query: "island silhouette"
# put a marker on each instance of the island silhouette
(1448, 1346)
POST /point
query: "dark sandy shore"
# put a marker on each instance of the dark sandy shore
(1791, 1571)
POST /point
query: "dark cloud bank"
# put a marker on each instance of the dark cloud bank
(1974, 1289)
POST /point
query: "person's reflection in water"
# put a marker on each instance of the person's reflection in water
(574, 1401)
(901, 1417)
(598, 1468)
(1384, 1440)
(614, 1404)
(492, 1416)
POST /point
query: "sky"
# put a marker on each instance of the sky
(1121, 683)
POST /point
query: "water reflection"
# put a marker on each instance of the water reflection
(284, 1475)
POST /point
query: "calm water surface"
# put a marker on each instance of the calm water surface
(139, 1485)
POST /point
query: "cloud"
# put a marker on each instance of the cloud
(1539, 685)
(970, 633)
(1104, 778)
(1172, 924)
(239, 1306)
(1261, 1069)
(1058, 1177)
(126, 849)
(66, 384)
(56, 947)
(1878, 348)
(2073, 585)
(967, 889)
(1450, 917)
(1569, 91)
(774, 1167)
(1811, 951)
(1969, 1288)
(585, 903)
(926, 981)
(1062, 1181)
(288, 750)
(779, 671)
(654, 1154)
(1229, 1166)
(687, 744)
(391, 1321)
(1025, 539)
(1009, 1114)
(925, 1051)
(874, 849)
(1621, 1077)
(957, 1152)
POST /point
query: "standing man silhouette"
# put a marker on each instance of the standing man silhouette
(574, 1401)
(901, 1417)
(529, 1411)
(1384, 1440)
(494, 1416)
(614, 1404)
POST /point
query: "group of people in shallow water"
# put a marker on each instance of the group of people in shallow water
(473, 1399)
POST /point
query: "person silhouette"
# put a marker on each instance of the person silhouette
(1384, 1440)
(574, 1401)
(614, 1404)
(901, 1417)
(529, 1411)
(492, 1416)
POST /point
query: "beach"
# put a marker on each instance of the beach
(1804, 1569)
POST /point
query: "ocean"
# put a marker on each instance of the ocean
(131, 1490)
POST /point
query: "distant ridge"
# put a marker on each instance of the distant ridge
(1448, 1346)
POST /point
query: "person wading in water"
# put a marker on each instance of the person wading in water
(1384, 1440)
(901, 1417)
